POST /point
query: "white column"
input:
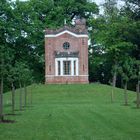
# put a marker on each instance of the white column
(72, 67)
(77, 67)
(61, 67)
(56, 67)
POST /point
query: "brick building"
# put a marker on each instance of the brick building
(66, 54)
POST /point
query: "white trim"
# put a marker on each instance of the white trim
(72, 66)
(56, 70)
(66, 31)
(61, 66)
(77, 67)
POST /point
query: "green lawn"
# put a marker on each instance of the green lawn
(73, 112)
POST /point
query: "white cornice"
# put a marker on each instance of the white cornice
(66, 31)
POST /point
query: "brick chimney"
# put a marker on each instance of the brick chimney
(80, 24)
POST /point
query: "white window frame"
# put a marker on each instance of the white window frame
(61, 66)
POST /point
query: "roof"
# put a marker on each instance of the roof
(77, 32)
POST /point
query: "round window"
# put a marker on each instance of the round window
(66, 45)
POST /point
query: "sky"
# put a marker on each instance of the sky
(98, 1)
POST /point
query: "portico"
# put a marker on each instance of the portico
(66, 67)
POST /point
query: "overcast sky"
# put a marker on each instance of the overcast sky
(98, 1)
(102, 1)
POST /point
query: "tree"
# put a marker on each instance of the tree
(118, 52)
(126, 70)
(106, 35)
(99, 66)
(5, 13)
(6, 56)
(27, 77)
(24, 75)
(20, 71)
(112, 30)
(72, 8)
(137, 77)
(1, 85)
(138, 95)
(32, 17)
(132, 8)
(11, 76)
(22, 24)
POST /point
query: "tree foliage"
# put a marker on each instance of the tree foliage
(117, 34)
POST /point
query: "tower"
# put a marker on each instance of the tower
(66, 54)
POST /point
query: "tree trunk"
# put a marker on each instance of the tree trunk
(138, 95)
(125, 94)
(1, 99)
(31, 96)
(13, 98)
(25, 95)
(112, 95)
(20, 96)
(113, 86)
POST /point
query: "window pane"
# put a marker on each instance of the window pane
(74, 67)
(67, 67)
(59, 68)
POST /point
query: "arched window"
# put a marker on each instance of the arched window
(66, 45)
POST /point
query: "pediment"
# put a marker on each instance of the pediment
(66, 32)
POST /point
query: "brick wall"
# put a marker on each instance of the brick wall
(53, 44)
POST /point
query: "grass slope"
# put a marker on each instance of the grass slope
(73, 112)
